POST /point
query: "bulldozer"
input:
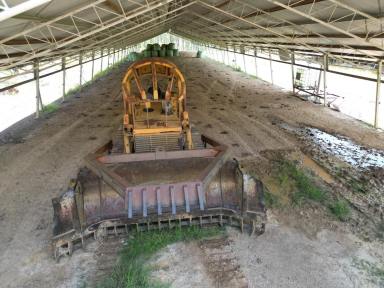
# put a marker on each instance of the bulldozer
(157, 172)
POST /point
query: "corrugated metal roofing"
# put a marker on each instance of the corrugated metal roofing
(62, 28)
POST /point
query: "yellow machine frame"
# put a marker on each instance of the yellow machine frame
(136, 101)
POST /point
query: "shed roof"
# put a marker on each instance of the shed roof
(56, 28)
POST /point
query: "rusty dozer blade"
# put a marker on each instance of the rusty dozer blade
(116, 193)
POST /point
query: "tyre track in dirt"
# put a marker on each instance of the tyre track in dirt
(222, 264)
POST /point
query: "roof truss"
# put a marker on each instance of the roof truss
(321, 26)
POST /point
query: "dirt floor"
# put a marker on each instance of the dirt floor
(281, 257)
(299, 249)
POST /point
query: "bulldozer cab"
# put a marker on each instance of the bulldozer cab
(154, 97)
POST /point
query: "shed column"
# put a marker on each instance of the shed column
(109, 54)
(255, 52)
(293, 70)
(270, 65)
(36, 75)
(378, 92)
(101, 59)
(81, 69)
(93, 62)
(63, 68)
(325, 68)
(245, 67)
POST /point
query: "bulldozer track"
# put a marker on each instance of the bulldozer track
(222, 264)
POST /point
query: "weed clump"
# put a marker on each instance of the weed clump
(51, 107)
(340, 209)
(293, 178)
(271, 200)
(132, 271)
(372, 270)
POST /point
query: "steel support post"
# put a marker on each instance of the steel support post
(325, 68)
(81, 69)
(318, 88)
(270, 65)
(255, 52)
(293, 70)
(378, 94)
(234, 57)
(245, 68)
(93, 63)
(109, 54)
(64, 72)
(101, 59)
(37, 82)
(113, 58)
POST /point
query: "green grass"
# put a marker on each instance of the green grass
(291, 177)
(73, 91)
(303, 188)
(375, 272)
(271, 200)
(340, 209)
(237, 68)
(51, 108)
(357, 186)
(132, 270)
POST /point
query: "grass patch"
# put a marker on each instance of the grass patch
(132, 271)
(293, 178)
(271, 200)
(237, 68)
(340, 209)
(375, 273)
(357, 186)
(72, 91)
(51, 108)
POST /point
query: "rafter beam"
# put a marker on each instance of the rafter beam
(297, 3)
(9, 12)
(110, 4)
(329, 24)
(79, 35)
